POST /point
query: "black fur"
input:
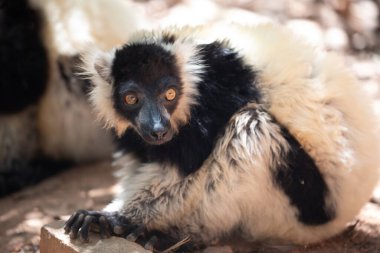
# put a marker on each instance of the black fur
(146, 64)
(302, 182)
(227, 85)
(23, 58)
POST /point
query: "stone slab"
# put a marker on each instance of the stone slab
(54, 240)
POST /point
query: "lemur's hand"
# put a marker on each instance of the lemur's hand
(107, 224)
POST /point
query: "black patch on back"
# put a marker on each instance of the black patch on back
(226, 86)
(23, 58)
(302, 182)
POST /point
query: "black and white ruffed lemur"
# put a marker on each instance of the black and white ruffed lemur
(230, 131)
(45, 118)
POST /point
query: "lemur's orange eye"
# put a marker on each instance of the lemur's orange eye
(131, 99)
(170, 94)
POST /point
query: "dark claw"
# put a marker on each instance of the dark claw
(138, 232)
(151, 243)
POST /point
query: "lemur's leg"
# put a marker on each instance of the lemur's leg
(251, 161)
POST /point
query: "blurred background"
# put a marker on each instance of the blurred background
(350, 28)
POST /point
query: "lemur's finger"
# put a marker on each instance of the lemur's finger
(68, 224)
(149, 245)
(76, 226)
(71, 221)
(83, 231)
(138, 232)
(104, 227)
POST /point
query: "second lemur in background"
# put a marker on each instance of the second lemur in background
(45, 119)
(252, 134)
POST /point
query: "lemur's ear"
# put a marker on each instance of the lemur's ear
(102, 66)
(97, 64)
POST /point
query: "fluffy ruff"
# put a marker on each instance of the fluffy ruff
(275, 141)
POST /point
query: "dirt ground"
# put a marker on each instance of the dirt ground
(24, 213)
(350, 28)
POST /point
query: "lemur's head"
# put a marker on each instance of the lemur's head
(146, 85)
(146, 89)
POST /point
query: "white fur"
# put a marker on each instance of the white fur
(136, 176)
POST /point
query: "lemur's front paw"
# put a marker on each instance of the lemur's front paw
(80, 223)
(107, 223)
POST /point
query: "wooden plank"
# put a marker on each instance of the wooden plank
(54, 240)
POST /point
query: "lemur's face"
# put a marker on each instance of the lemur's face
(146, 90)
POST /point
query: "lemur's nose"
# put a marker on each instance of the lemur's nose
(159, 131)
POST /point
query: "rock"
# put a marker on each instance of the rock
(54, 240)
